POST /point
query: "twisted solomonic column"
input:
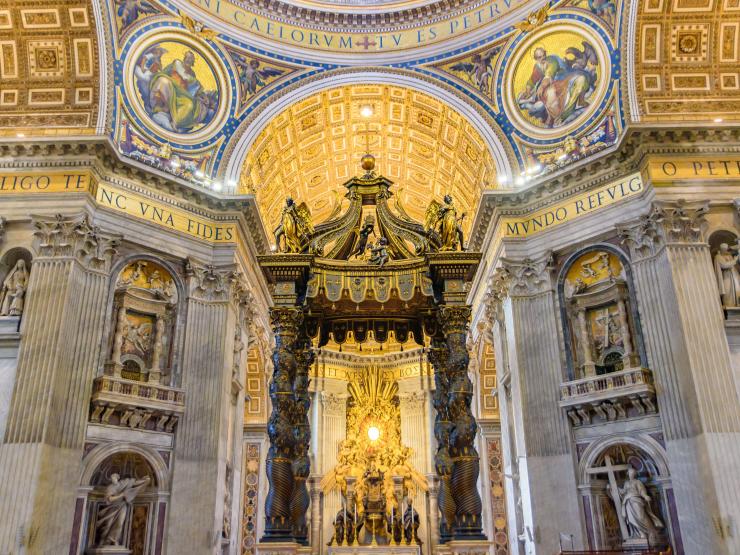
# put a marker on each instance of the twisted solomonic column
(278, 518)
(301, 465)
(442, 427)
(465, 459)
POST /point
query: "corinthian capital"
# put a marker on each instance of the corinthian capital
(529, 276)
(642, 236)
(454, 318)
(681, 221)
(73, 236)
(498, 290)
(208, 283)
(243, 299)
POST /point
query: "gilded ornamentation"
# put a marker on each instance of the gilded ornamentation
(143, 274)
(373, 403)
(197, 28)
(443, 220)
(534, 20)
(295, 229)
(450, 155)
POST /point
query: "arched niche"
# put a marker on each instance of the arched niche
(142, 476)
(599, 311)
(143, 322)
(724, 250)
(15, 270)
(605, 465)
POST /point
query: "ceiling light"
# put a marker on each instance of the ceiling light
(503, 179)
(199, 174)
(232, 182)
(217, 186)
(20, 135)
(175, 164)
(520, 181)
(718, 120)
(367, 111)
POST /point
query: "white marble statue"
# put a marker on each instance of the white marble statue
(642, 522)
(728, 276)
(14, 290)
(112, 515)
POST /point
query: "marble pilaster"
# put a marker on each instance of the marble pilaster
(201, 443)
(688, 353)
(59, 352)
(547, 482)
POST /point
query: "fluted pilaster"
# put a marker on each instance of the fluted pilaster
(57, 360)
(688, 352)
(201, 442)
(525, 291)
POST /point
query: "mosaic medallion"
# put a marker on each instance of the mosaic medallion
(556, 80)
(177, 86)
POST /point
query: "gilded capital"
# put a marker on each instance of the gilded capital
(527, 277)
(285, 321)
(454, 318)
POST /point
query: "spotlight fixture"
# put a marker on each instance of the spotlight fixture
(367, 111)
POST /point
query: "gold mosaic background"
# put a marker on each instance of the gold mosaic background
(688, 60)
(314, 146)
(48, 68)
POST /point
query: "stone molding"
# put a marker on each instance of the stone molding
(626, 157)
(3, 221)
(529, 277)
(62, 236)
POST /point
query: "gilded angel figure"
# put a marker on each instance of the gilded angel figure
(295, 227)
(443, 220)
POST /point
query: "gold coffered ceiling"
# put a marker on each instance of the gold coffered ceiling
(424, 146)
(688, 60)
(48, 68)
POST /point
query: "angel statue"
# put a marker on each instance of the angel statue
(443, 219)
(295, 227)
(379, 253)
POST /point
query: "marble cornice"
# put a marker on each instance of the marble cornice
(98, 155)
(628, 156)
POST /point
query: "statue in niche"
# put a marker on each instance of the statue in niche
(14, 290)
(443, 220)
(641, 521)
(728, 276)
(295, 227)
(119, 495)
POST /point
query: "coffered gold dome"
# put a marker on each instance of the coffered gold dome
(424, 146)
